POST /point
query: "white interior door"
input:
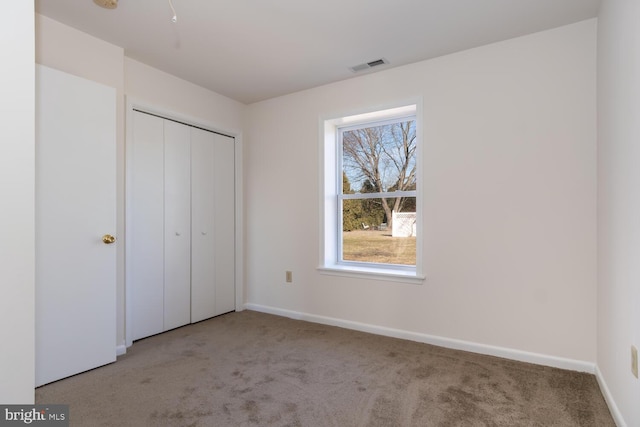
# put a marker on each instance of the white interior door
(75, 207)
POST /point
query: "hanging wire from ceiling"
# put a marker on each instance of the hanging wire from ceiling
(174, 19)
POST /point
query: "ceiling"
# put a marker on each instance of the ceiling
(251, 50)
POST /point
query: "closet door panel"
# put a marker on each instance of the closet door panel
(202, 226)
(224, 226)
(146, 204)
(177, 226)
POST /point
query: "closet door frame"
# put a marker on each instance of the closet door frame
(136, 104)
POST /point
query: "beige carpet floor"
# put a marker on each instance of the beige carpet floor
(255, 369)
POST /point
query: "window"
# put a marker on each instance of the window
(371, 196)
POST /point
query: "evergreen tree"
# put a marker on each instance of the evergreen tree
(372, 209)
(351, 209)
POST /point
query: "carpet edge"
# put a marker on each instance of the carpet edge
(455, 344)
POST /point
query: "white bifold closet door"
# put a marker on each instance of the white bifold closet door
(212, 172)
(181, 224)
(145, 226)
(177, 225)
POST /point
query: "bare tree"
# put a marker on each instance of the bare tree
(382, 158)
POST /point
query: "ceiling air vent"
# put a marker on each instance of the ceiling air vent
(368, 65)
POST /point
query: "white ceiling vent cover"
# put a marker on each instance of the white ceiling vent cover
(368, 65)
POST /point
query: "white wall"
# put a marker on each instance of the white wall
(67, 49)
(509, 207)
(163, 90)
(619, 201)
(17, 192)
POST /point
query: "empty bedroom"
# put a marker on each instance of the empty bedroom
(337, 213)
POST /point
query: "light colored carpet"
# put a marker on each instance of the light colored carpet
(255, 369)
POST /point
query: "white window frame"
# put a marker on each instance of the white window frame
(331, 184)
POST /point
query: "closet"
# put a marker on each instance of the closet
(180, 224)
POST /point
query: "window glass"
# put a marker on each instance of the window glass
(377, 199)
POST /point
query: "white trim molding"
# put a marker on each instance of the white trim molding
(121, 350)
(503, 352)
(613, 408)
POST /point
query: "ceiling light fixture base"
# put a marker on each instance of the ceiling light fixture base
(107, 4)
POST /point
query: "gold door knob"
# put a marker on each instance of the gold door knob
(108, 239)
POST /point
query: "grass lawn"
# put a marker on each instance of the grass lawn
(378, 246)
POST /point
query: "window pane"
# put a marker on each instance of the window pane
(370, 236)
(379, 158)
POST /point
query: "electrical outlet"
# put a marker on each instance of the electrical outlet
(634, 361)
(289, 277)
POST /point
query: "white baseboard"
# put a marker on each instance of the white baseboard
(613, 408)
(121, 349)
(507, 353)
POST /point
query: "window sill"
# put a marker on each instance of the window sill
(386, 274)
